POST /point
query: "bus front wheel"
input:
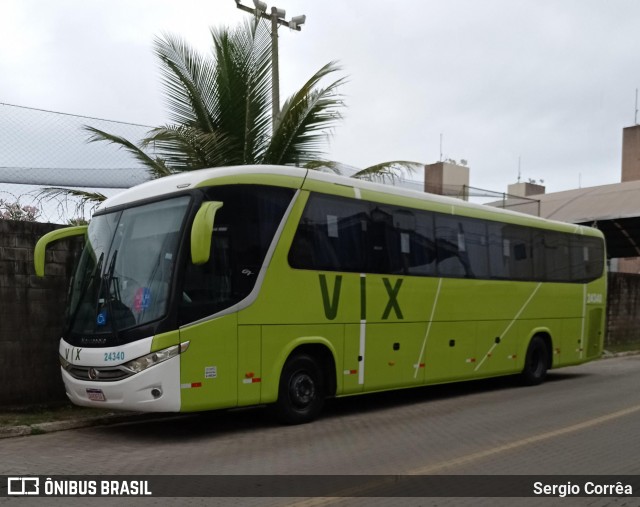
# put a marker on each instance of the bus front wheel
(301, 390)
(536, 362)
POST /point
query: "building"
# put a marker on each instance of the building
(614, 209)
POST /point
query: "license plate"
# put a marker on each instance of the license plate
(96, 395)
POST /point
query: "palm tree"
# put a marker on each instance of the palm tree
(220, 111)
(220, 107)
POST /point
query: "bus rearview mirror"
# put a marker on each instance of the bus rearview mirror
(202, 230)
(50, 237)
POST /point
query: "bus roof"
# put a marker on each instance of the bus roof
(295, 177)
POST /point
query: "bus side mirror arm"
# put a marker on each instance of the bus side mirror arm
(202, 230)
(50, 237)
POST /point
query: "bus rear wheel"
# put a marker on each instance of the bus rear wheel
(301, 390)
(536, 362)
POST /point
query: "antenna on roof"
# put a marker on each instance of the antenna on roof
(441, 140)
(636, 115)
(519, 172)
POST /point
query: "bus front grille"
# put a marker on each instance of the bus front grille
(102, 374)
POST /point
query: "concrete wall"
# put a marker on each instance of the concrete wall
(623, 308)
(32, 313)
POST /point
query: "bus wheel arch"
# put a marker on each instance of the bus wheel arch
(307, 378)
(538, 359)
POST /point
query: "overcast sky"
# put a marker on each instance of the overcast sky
(549, 82)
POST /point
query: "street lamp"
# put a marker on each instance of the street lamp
(277, 18)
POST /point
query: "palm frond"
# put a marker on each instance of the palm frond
(189, 82)
(316, 165)
(85, 196)
(80, 199)
(186, 148)
(305, 120)
(388, 171)
(155, 166)
(243, 86)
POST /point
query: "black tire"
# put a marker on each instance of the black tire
(536, 362)
(301, 392)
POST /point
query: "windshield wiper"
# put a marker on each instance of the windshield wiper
(93, 279)
(118, 315)
(107, 280)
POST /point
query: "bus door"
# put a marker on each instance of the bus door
(208, 368)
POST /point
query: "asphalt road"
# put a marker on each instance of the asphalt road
(584, 420)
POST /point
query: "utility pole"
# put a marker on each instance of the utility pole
(277, 18)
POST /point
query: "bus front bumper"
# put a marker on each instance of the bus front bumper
(156, 389)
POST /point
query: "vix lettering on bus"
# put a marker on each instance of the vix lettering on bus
(72, 354)
(331, 301)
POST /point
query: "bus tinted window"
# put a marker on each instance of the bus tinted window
(476, 247)
(331, 235)
(551, 256)
(450, 243)
(243, 231)
(499, 252)
(518, 247)
(586, 258)
(417, 244)
(340, 234)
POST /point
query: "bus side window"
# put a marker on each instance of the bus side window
(450, 248)
(499, 252)
(476, 247)
(587, 258)
(421, 255)
(551, 256)
(520, 261)
(331, 235)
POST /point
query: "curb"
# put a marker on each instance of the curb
(72, 424)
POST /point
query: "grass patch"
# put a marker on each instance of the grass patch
(26, 416)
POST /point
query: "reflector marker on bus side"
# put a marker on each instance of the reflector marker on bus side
(189, 386)
(250, 378)
(426, 335)
(524, 306)
(350, 372)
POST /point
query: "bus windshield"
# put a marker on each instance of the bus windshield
(124, 275)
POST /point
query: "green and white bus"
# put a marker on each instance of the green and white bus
(262, 285)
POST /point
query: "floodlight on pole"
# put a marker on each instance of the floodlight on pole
(277, 18)
(260, 6)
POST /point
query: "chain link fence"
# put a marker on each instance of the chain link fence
(41, 149)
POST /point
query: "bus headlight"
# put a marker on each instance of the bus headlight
(64, 363)
(144, 362)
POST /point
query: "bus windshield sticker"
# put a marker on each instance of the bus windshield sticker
(101, 319)
(405, 244)
(332, 226)
(142, 299)
(461, 245)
